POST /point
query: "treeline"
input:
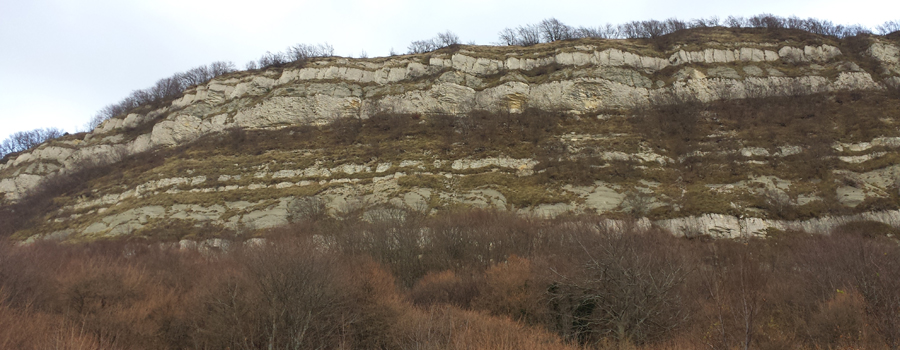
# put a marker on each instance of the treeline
(172, 87)
(551, 29)
(24, 140)
(164, 89)
(548, 30)
(296, 53)
(394, 279)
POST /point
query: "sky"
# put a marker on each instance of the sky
(61, 61)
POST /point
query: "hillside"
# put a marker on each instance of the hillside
(727, 132)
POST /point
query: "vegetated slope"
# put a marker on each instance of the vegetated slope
(476, 279)
(720, 131)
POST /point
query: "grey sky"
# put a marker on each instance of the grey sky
(63, 60)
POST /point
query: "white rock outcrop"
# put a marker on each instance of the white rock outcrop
(888, 54)
(579, 80)
(727, 226)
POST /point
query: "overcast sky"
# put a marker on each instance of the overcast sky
(63, 60)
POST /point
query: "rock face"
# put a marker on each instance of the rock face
(579, 78)
(726, 226)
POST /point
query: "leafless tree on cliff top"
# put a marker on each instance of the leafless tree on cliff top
(24, 140)
(441, 40)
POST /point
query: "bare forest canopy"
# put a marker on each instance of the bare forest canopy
(475, 280)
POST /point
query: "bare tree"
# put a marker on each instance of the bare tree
(766, 20)
(508, 37)
(166, 88)
(220, 68)
(705, 22)
(310, 209)
(421, 46)
(631, 30)
(529, 35)
(203, 74)
(736, 22)
(853, 30)
(195, 76)
(95, 121)
(638, 203)
(301, 52)
(24, 140)
(441, 40)
(446, 39)
(888, 27)
(554, 30)
(653, 29)
(270, 59)
(734, 282)
(304, 299)
(674, 24)
(607, 31)
(794, 22)
(627, 287)
(521, 36)
(877, 275)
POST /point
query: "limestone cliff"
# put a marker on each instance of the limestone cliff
(600, 89)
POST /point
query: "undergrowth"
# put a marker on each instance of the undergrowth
(465, 279)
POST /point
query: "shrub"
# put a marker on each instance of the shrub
(510, 289)
(443, 288)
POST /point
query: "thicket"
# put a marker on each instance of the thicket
(393, 278)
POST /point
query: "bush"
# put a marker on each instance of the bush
(510, 289)
(443, 288)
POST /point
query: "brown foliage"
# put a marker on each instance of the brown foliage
(444, 287)
(511, 289)
(620, 284)
(27, 329)
(463, 279)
